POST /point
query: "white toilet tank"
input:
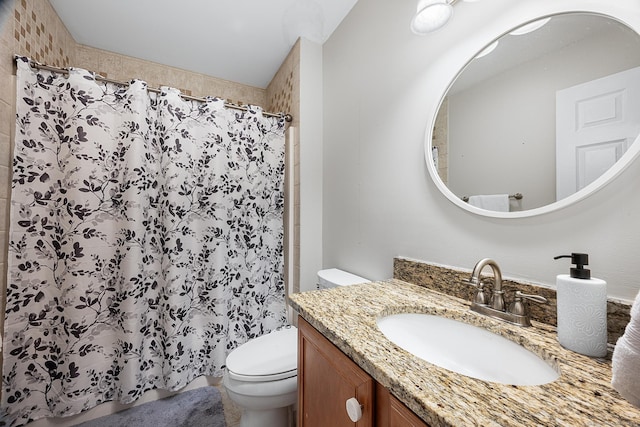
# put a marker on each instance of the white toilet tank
(333, 277)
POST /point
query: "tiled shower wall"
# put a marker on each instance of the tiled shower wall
(32, 28)
(283, 94)
(124, 68)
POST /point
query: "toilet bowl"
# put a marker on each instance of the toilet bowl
(261, 374)
(261, 378)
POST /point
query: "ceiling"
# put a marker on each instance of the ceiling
(244, 41)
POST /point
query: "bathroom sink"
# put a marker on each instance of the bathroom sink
(466, 349)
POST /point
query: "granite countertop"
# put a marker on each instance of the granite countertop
(582, 396)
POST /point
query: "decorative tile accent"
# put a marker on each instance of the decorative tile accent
(281, 100)
(34, 37)
(283, 91)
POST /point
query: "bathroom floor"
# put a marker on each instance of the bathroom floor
(231, 411)
(206, 405)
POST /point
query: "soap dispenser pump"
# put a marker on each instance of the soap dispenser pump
(582, 309)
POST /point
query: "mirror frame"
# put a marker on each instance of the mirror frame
(627, 158)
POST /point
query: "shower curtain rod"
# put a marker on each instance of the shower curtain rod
(287, 117)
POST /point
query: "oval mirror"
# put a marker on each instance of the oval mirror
(542, 117)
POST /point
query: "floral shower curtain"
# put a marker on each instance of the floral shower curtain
(146, 241)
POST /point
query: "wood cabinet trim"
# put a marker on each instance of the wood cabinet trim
(312, 340)
(380, 407)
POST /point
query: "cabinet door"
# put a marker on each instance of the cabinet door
(401, 416)
(327, 378)
(390, 412)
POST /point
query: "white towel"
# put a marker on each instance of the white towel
(635, 308)
(626, 359)
(491, 202)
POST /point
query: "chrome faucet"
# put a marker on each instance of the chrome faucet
(518, 312)
(497, 295)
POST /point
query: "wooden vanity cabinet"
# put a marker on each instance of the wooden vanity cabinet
(390, 412)
(327, 378)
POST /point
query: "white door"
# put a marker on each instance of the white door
(595, 124)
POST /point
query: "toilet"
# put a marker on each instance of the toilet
(334, 277)
(262, 374)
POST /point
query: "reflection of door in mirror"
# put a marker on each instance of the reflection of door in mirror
(496, 127)
(596, 123)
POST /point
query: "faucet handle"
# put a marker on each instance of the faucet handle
(534, 298)
(519, 307)
(478, 282)
(481, 297)
(472, 281)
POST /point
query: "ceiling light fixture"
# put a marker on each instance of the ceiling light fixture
(432, 15)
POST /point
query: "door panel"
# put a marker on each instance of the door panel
(596, 122)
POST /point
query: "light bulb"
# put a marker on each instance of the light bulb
(431, 15)
(487, 50)
(532, 26)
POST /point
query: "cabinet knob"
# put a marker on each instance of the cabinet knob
(354, 409)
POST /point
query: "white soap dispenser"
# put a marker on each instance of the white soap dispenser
(582, 309)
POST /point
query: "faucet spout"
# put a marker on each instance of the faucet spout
(497, 296)
(518, 312)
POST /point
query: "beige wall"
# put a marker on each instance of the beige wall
(124, 68)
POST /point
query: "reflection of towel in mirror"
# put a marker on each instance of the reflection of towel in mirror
(491, 202)
(625, 363)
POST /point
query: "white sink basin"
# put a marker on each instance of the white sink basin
(466, 349)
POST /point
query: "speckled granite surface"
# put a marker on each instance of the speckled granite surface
(582, 396)
(450, 281)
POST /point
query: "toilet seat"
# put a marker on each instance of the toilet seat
(271, 357)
